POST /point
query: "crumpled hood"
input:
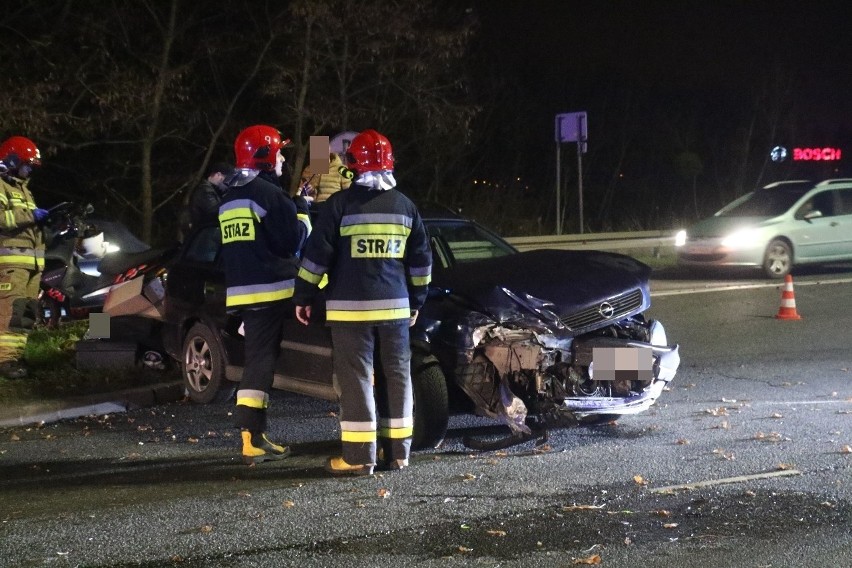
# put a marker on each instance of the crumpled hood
(572, 280)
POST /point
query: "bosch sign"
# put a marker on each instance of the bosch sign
(816, 154)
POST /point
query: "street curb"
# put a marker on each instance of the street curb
(96, 404)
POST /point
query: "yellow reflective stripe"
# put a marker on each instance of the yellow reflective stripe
(361, 437)
(375, 229)
(252, 402)
(304, 218)
(368, 315)
(238, 213)
(309, 276)
(10, 218)
(420, 280)
(3, 198)
(396, 433)
(258, 297)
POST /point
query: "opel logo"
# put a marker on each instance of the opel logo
(606, 310)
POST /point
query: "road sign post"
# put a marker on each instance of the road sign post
(570, 127)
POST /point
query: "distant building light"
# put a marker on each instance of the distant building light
(816, 154)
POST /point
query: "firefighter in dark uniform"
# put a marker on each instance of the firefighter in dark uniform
(371, 244)
(263, 230)
(21, 252)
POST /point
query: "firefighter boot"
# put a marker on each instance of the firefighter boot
(257, 448)
(338, 466)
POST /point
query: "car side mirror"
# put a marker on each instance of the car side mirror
(812, 215)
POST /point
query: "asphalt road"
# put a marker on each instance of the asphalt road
(745, 461)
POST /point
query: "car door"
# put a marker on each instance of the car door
(819, 238)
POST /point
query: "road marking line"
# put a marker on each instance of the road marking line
(792, 402)
(746, 287)
(737, 479)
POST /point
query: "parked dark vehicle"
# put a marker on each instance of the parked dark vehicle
(84, 257)
(534, 338)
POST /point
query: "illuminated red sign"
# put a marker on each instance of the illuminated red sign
(813, 154)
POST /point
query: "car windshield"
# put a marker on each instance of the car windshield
(459, 241)
(763, 203)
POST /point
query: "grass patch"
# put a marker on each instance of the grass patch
(51, 358)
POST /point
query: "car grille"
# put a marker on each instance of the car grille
(622, 305)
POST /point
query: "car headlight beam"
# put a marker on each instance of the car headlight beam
(743, 238)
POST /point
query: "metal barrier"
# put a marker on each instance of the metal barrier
(596, 241)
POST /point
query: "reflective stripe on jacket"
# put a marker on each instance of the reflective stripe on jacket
(262, 234)
(373, 248)
(21, 240)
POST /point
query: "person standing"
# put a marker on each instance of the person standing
(204, 201)
(263, 231)
(371, 244)
(21, 252)
(320, 186)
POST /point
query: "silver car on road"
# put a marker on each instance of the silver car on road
(775, 228)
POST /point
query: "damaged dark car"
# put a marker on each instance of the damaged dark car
(533, 339)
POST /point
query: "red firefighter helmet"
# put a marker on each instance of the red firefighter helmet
(257, 146)
(19, 150)
(369, 152)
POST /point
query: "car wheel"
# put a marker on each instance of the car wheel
(778, 259)
(203, 367)
(431, 407)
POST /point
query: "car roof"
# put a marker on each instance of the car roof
(433, 210)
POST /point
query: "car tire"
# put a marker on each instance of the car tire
(431, 406)
(778, 259)
(202, 367)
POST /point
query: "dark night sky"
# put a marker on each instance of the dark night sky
(680, 43)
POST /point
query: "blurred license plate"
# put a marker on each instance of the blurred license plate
(622, 363)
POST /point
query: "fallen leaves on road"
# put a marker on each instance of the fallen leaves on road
(582, 507)
(639, 480)
(662, 513)
(847, 449)
(670, 525)
(769, 437)
(724, 455)
(383, 493)
(719, 411)
(469, 477)
(588, 561)
(494, 532)
(288, 504)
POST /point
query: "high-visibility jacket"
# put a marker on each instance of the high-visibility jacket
(21, 240)
(373, 248)
(262, 234)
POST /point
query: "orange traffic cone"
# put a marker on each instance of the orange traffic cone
(788, 301)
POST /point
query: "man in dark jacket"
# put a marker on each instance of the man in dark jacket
(204, 201)
(263, 230)
(371, 244)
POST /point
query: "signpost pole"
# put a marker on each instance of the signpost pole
(570, 127)
(581, 140)
(558, 190)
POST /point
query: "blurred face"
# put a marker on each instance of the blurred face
(24, 171)
(279, 163)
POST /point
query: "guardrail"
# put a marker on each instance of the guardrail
(596, 241)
